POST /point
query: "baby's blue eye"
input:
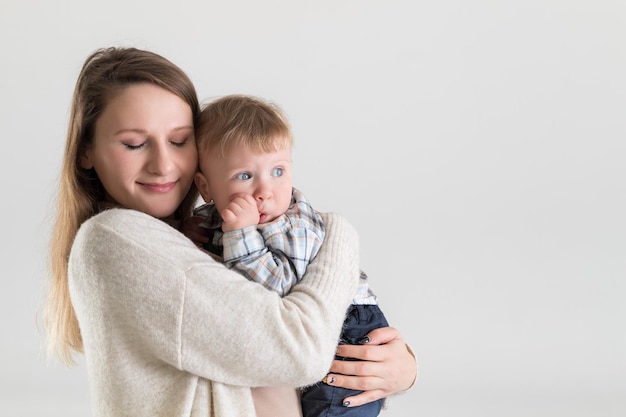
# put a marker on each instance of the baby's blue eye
(277, 172)
(244, 176)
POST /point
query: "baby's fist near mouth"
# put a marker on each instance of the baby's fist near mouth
(241, 212)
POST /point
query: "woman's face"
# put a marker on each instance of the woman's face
(144, 150)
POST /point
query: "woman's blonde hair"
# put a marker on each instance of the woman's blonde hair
(104, 73)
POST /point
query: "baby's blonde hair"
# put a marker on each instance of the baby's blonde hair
(235, 120)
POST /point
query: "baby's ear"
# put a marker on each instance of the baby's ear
(203, 186)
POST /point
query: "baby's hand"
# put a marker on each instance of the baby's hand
(241, 212)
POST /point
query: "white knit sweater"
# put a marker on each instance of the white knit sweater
(168, 331)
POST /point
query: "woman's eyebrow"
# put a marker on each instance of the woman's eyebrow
(143, 131)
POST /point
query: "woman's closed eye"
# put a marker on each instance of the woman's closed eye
(134, 146)
(179, 143)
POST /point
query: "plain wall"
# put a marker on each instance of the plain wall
(478, 147)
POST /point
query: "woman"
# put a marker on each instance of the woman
(165, 329)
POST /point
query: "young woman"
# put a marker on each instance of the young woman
(165, 329)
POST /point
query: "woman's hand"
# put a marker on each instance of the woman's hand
(386, 366)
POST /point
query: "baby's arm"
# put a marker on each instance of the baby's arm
(273, 254)
(277, 261)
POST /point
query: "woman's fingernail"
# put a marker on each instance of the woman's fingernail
(346, 403)
(327, 380)
(363, 341)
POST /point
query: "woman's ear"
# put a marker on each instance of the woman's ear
(85, 161)
(203, 186)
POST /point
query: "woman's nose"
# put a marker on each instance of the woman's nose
(161, 161)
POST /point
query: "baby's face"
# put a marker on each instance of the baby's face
(266, 176)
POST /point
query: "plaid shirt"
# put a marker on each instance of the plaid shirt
(274, 254)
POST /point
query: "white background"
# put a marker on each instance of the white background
(478, 146)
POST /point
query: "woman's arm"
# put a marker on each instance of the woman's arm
(387, 366)
(157, 293)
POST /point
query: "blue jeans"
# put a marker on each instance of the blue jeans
(321, 400)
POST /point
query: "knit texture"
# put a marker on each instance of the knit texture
(168, 331)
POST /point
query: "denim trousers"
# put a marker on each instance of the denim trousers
(321, 400)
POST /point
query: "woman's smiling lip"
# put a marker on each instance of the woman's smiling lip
(159, 187)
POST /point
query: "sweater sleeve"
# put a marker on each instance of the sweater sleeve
(138, 284)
